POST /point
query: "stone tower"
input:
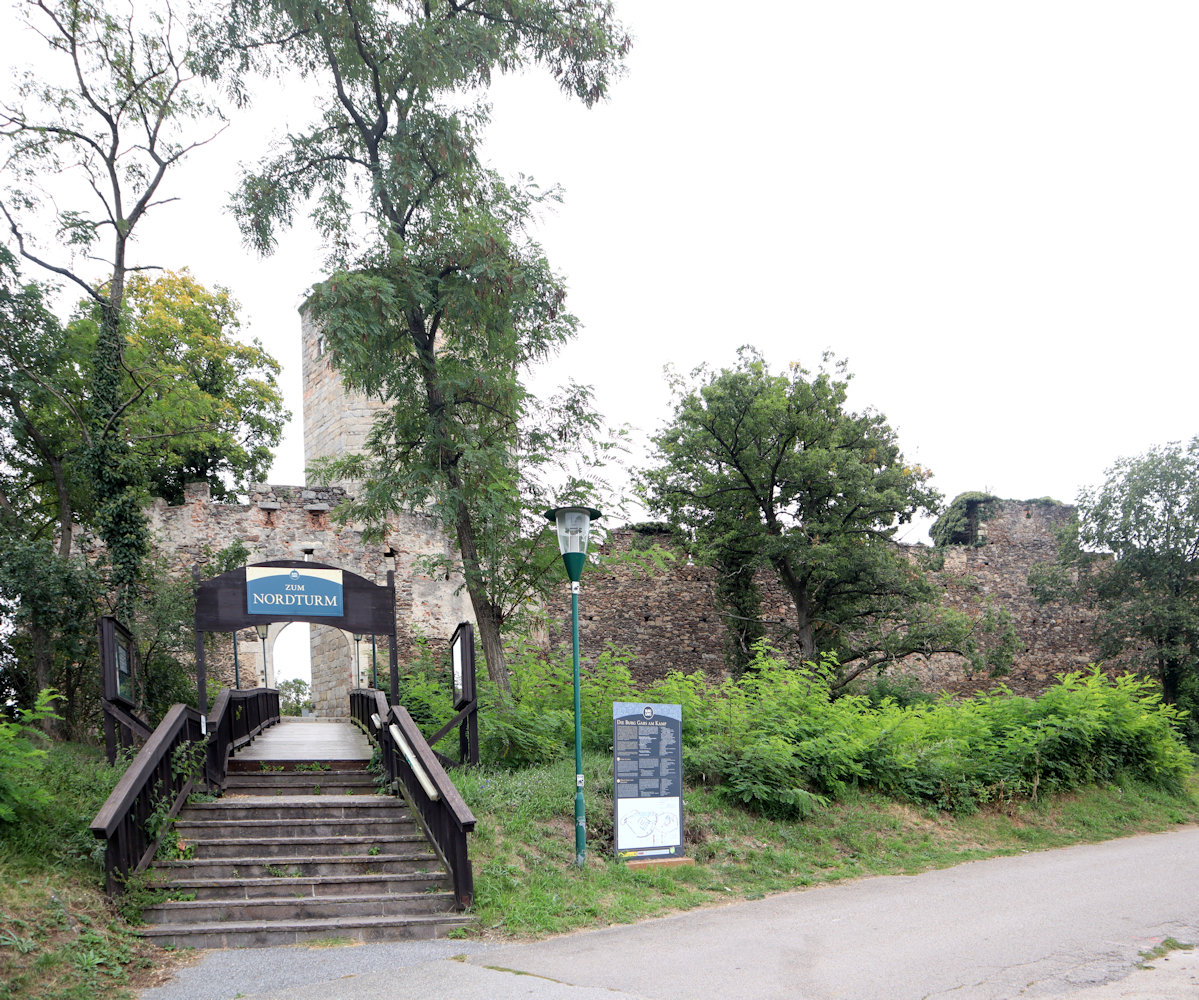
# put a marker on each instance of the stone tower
(336, 421)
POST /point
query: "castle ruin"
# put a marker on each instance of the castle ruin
(668, 620)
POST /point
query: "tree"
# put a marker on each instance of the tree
(443, 301)
(294, 696)
(1132, 554)
(196, 403)
(208, 406)
(108, 117)
(775, 469)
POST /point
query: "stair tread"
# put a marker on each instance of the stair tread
(372, 825)
(285, 880)
(345, 840)
(373, 897)
(300, 924)
(290, 859)
(353, 801)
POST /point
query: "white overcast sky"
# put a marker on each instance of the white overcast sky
(990, 209)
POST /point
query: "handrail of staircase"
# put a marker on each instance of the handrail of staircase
(408, 759)
(236, 718)
(151, 782)
(156, 779)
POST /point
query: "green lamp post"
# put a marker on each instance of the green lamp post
(574, 525)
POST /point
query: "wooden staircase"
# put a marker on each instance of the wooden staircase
(299, 850)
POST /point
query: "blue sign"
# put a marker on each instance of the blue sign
(302, 593)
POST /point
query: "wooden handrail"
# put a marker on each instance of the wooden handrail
(236, 718)
(445, 816)
(151, 782)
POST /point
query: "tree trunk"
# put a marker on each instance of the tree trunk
(797, 589)
(39, 638)
(1171, 681)
(487, 615)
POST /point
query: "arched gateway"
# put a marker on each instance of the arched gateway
(291, 590)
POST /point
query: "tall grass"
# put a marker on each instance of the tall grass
(60, 938)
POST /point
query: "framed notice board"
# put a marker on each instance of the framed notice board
(647, 771)
(117, 657)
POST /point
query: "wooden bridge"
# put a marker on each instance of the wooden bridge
(302, 840)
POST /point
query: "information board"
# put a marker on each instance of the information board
(647, 769)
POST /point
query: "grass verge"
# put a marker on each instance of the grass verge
(526, 883)
(60, 936)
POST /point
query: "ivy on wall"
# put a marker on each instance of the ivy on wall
(960, 523)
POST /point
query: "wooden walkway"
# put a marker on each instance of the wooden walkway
(296, 738)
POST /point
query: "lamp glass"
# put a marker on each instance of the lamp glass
(574, 525)
(261, 630)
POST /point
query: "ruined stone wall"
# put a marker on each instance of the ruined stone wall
(292, 522)
(1053, 638)
(670, 620)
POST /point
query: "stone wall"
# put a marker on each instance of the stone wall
(670, 620)
(1053, 638)
(294, 522)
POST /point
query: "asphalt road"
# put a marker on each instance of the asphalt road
(1056, 924)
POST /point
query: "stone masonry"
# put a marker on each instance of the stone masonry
(667, 619)
(336, 421)
(670, 620)
(294, 522)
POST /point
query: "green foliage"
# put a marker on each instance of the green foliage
(52, 603)
(779, 730)
(903, 691)
(215, 411)
(960, 522)
(19, 755)
(770, 470)
(294, 696)
(64, 787)
(1132, 553)
(120, 74)
(777, 740)
(444, 301)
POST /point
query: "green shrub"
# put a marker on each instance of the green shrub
(20, 792)
(776, 741)
(522, 738)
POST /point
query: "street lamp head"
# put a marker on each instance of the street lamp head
(261, 630)
(574, 526)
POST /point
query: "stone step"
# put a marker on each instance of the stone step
(294, 807)
(420, 858)
(386, 904)
(299, 782)
(282, 765)
(319, 886)
(392, 843)
(266, 933)
(195, 830)
(292, 853)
